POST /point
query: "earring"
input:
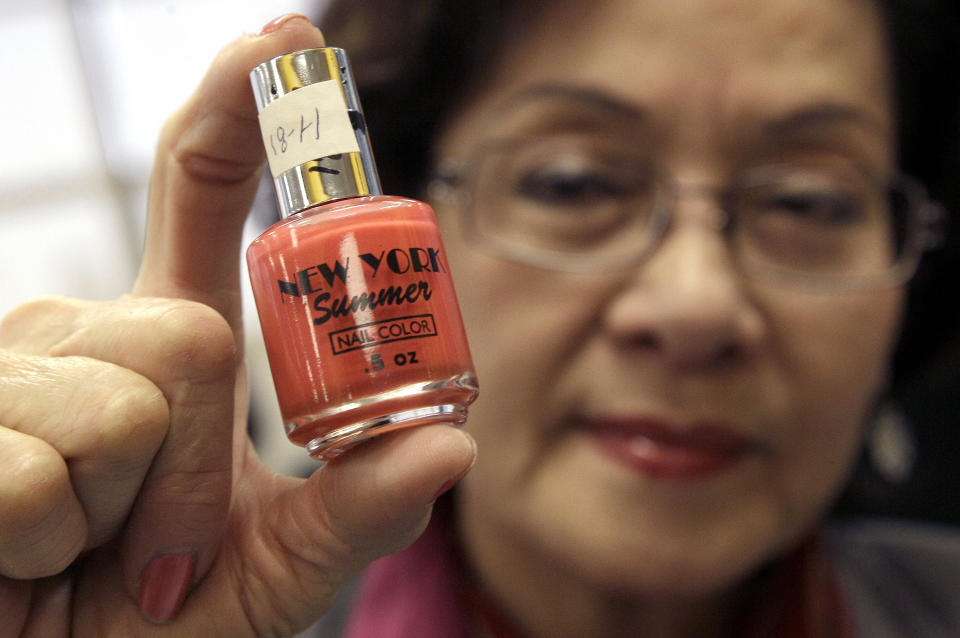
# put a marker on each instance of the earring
(891, 444)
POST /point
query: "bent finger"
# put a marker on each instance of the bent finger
(187, 351)
(42, 524)
(104, 421)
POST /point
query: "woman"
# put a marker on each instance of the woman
(667, 415)
(650, 433)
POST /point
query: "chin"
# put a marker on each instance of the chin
(647, 552)
(675, 572)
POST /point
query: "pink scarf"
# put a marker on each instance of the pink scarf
(419, 593)
(415, 593)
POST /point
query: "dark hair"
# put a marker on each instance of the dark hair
(926, 67)
(414, 61)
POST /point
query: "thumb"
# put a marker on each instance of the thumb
(359, 507)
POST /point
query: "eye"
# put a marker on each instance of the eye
(561, 185)
(822, 207)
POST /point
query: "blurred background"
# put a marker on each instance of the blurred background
(90, 84)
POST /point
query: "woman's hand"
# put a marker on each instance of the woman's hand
(128, 481)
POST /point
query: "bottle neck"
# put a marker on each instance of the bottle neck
(324, 180)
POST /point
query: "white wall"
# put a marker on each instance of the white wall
(87, 84)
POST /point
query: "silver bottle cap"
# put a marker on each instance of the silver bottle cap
(313, 129)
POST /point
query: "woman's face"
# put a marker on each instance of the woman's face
(668, 427)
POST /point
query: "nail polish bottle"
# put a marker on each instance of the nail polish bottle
(358, 311)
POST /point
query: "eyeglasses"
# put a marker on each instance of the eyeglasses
(584, 203)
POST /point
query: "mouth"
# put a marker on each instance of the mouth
(669, 452)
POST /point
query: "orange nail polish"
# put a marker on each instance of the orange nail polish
(353, 289)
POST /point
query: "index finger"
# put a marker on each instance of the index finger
(206, 174)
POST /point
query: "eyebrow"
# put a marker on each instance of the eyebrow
(580, 94)
(822, 116)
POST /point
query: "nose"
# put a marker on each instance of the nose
(687, 304)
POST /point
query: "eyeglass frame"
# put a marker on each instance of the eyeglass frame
(925, 226)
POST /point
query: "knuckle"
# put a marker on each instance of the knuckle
(134, 417)
(42, 530)
(42, 320)
(195, 156)
(196, 342)
(199, 488)
(197, 500)
(36, 484)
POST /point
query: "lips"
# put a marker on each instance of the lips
(664, 451)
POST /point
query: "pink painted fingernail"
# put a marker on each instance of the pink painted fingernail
(164, 586)
(276, 23)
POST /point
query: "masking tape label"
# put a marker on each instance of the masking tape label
(306, 124)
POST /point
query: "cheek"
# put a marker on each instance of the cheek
(521, 321)
(837, 348)
(833, 352)
(525, 327)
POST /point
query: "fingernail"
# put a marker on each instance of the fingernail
(276, 23)
(164, 586)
